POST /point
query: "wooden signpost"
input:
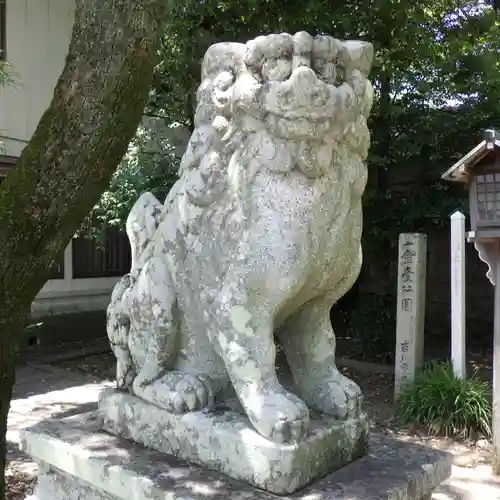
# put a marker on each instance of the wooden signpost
(457, 272)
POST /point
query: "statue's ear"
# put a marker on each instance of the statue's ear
(360, 55)
(142, 223)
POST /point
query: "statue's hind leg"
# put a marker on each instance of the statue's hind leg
(157, 382)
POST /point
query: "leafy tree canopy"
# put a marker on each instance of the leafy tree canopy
(437, 81)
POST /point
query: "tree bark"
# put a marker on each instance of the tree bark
(96, 107)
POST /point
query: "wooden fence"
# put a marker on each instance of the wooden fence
(109, 259)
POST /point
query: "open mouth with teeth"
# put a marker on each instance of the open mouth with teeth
(306, 77)
(304, 95)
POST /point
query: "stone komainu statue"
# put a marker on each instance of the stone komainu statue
(259, 237)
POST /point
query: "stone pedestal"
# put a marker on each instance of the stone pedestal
(224, 440)
(79, 461)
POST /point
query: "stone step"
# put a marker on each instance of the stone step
(78, 460)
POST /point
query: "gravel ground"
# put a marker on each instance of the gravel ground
(99, 365)
(19, 484)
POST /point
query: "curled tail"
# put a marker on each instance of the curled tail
(117, 319)
(118, 329)
(142, 223)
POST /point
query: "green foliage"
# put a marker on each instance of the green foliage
(150, 164)
(371, 322)
(7, 75)
(437, 85)
(446, 405)
(447, 52)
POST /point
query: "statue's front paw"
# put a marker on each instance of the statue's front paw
(335, 395)
(176, 391)
(278, 415)
(190, 392)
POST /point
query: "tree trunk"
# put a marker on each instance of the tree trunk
(96, 107)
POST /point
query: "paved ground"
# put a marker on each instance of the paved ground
(470, 484)
(44, 391)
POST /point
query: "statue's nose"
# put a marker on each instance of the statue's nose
(304, 81)
(304, 76)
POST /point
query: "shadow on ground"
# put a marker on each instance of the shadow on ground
(42, 393)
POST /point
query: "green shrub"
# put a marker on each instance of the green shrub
(371, 322)
(446, 405)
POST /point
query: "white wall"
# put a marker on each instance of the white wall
(38, 33)
(68, 295)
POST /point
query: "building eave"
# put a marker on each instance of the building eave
(459, 172)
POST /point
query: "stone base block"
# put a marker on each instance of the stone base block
(224, 440)
(79, 461)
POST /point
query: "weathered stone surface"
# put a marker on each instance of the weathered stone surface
(80, 462)
(410, 320)
(56, 485)
(224, 440)
(259, 236)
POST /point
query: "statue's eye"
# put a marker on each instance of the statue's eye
(224, 80)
